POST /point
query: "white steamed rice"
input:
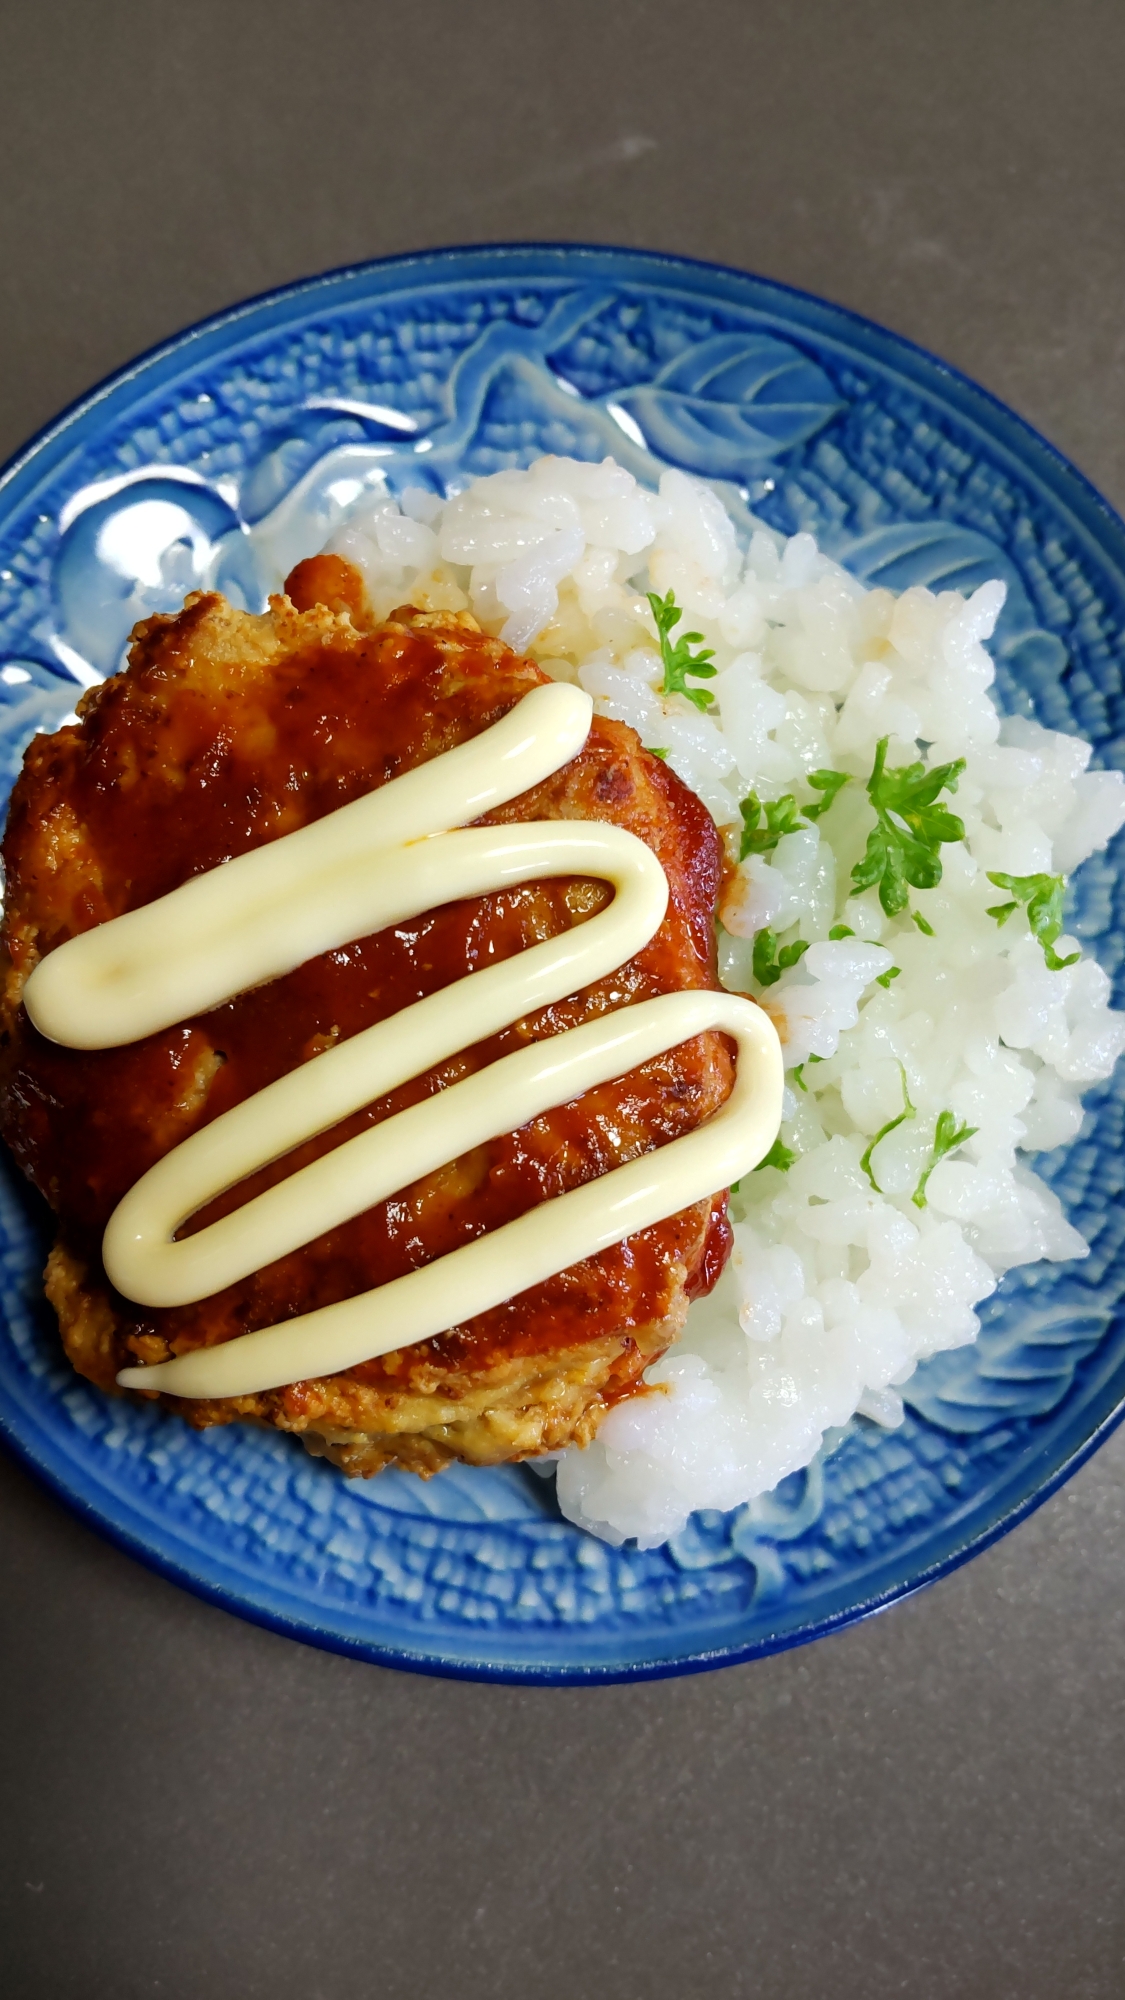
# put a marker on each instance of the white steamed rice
(836, 1288)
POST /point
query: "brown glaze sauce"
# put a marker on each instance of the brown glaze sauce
(186, 761)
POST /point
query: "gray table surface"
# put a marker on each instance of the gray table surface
(929, 1804)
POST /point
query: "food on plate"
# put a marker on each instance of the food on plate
(938, 1026)
(193, 1052)
(820, 763)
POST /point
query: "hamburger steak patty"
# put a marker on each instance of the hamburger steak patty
(227, 730)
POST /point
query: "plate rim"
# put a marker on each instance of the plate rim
(274, 295)
(1086, 501)
(436, 1666)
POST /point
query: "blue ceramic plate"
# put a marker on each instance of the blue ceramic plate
(231, 451)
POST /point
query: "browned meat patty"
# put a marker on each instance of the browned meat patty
(226, 731)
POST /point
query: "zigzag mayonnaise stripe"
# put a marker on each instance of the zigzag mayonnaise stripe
(373, 863)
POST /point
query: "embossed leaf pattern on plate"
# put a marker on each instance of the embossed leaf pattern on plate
(732, 403)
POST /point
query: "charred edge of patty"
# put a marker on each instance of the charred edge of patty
(524, 1407)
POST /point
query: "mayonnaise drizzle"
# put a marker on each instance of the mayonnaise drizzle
(379, 861)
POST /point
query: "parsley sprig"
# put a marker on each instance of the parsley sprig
(831, 783)
(1042, 895)
(780, 1156)
(769, 963)
(948, 1135)
(798, 1073)
(764, 824)
(910, 826)
(891, 1125)
(679, 660)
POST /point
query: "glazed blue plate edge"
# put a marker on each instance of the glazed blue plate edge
(510, 254)
(542, 1674)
